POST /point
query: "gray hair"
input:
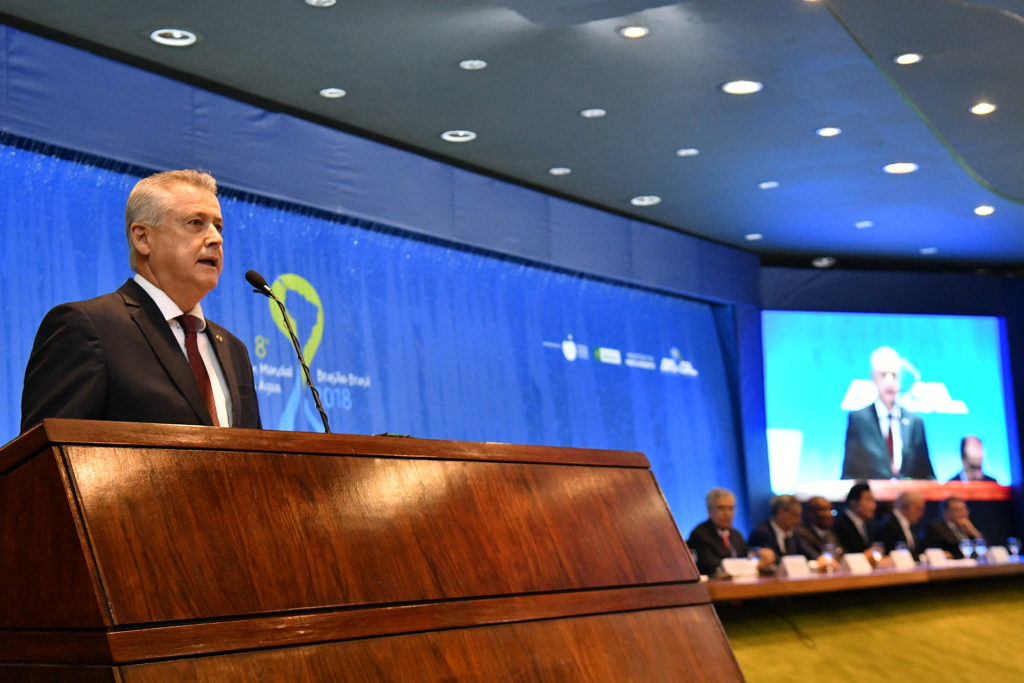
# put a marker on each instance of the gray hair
(716, 493)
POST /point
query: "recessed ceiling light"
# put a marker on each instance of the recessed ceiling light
(458, 136)
(645, 200)
(173, 37)
(900, 167)
(907, 58)
(984, 210)
(824, 262)
(983, 108)
(559, 170)
(753, 237)
(634, 31)
(687, 152)
(593, 113)
(860, 225)
(332, 93)
(741, 87)
(321, 3)
(472, 64)
(928, 251)
(829, 131)
(768, 185)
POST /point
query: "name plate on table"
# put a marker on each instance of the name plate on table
(856, 563)
(997, 554)
(936, 557)
(902, 559)
(794, 566)
(740, 567)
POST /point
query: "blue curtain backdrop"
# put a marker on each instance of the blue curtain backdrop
(403, 335)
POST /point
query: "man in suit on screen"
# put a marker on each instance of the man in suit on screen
(972, 454)
(146, 353)
(883, 440)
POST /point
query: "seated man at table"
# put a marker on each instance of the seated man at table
(715, 538)
(948, 532)
(816, 534)
(899, 527)
(777, 533)
(854, 526)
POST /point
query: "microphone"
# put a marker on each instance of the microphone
(261, 287)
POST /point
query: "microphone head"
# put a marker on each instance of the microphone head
(256, 280)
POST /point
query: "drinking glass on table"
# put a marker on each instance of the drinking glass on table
(1013, 545)
(877, 551)
(966, 547)
(980, 548)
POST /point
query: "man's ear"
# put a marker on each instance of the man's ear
(140, 238)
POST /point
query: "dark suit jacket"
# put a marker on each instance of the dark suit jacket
(867, 456)
(811, 541)
(763, 536)
(939, 534)
(889, 533)
(711, 548)
(984, 477)
(115, 358)
(849, 536)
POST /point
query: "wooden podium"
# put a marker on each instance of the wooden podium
(139, 552)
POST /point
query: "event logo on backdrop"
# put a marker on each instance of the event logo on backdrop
(336, 387)
(672, 364)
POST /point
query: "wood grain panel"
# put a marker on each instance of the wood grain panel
(183, 534)
(681, 644)
(46, 577)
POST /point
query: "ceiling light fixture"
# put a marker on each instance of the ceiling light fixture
(860, 225)
(645, 200)
(332, 93)
(907, 58)
(173, 37)
(928, 251)
(472, 64)
(321, 3)
(900, 167)
(768, 185)
(458, 136)
(753, 237)
(823, 262)
(559, 170)
(687, 152)
(983, 108)
(984, 210)
(829, 131)
(593, 113)
(634, 31)
(742, 87)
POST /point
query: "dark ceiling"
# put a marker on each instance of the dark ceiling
(822, 64)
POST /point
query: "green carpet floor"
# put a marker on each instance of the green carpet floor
(956, 631)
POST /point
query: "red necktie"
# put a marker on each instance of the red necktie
(195, 361)
(889, 444)
(725, 539)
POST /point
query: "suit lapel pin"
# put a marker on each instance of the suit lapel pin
(219, 338)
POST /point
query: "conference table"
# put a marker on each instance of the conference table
(926, 623)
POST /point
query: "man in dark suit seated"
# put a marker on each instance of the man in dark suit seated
(948, 532)
(855, 524)
(972, 453)
(715, 538)
(147, 353)
(816, 536)
(777, 533)
(899, 527)
(884, 441)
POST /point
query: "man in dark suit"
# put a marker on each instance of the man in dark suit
(778, 532)
(954, 527)
(816, 536)
(854, 526)
(972, 453)
(146, 353)
(715, 538)
(900, 526)
(884, 441)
